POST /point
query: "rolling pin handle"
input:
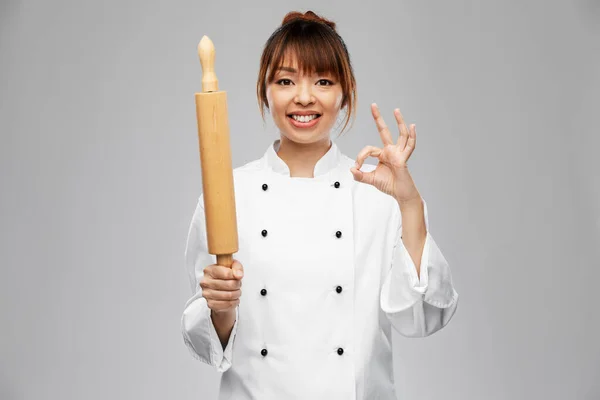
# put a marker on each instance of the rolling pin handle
(225, 260)
(206, 52)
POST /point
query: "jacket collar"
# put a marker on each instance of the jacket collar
(324, 166)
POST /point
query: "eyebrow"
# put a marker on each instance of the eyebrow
(287, 69)
(293, 70)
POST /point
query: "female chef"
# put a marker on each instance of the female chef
(333, 253)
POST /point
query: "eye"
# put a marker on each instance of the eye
(328, 82)
(283, 80)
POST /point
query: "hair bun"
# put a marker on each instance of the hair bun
(308, 16)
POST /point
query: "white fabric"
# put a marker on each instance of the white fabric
(302, 320)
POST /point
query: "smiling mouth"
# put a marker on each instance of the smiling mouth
(304, 118)
(304, 122)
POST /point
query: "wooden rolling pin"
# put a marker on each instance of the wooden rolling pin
(215, 161)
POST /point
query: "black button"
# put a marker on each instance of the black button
(264, 232)
(264, 352)
(338, 234)
(263, 292)
(338, 289)
(265, 186)
(337, 185)
(340, 351)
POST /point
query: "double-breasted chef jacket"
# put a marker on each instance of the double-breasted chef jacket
(326, 277)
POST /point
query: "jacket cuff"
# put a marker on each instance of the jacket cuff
(200, 335)
(402, 288)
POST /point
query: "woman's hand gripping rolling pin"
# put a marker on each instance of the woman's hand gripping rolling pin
(222, 288)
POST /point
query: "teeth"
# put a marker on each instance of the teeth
(304, 118)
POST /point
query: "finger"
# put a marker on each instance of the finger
(218, 305)
(367, 151)
(220, 284)
(384, 132)
(221, 295)
(216, 271)
(412, 139)
(403, 129)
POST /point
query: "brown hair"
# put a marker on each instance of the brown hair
(318, 47)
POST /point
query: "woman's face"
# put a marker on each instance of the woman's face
(291, 95)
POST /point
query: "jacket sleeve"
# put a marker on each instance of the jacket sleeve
(199, 333)
(418, 307)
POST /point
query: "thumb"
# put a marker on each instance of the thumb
(238, 270)
(360, 176)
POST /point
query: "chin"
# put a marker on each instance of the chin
(303, 136)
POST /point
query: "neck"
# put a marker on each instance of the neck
(301, 158)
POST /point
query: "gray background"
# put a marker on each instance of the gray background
(100, 176)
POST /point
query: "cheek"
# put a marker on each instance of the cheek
(334, 102)
(276, 103)
(269, 96)
(338, 100)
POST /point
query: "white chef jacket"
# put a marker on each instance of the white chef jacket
(326, 276)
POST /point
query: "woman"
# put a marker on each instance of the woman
(332, 252)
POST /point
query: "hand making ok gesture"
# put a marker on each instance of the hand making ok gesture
(391, 174)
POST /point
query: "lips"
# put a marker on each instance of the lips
(309, 112)
(308, 124)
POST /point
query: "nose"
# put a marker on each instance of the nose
(304, 94)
